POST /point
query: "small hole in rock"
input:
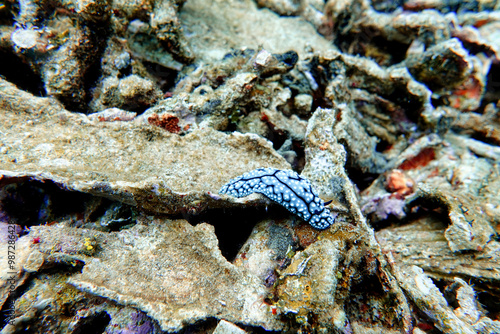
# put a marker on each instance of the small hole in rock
(165, 77)
(94, 324)
(19, 73)
(362, 179)
(234, 226)
(29, 203)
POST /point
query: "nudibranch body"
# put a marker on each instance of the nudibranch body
(286, 188)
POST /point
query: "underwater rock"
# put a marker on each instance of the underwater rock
(176, 274)
(480, 125)
(63, 51)
(112, 115)
(13, 276)
(325, 158)
(225, 327)
(389, 107)
(402, 26)
(131, 93)
(291, 126)
(303, 104)
(447, 6)
(282, 7)
(428, 297)
(45, 296)
(49, 304)
(358, 142)
(165, 24)
(430, 300)
(469, 229)
(443, 65)
(268, 64)
(422, 243)
(131, 162)
(375, 106)
(307, 287)
(171, 270)
(125, 81)
(456, 77)
(214, 107)
(241, 91)
(256, 29)
(462, 191)
(267, 249)
(63, 43)
(64, 71)
(445, 173)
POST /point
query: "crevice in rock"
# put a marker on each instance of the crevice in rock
(421, 207)
(13, 69)
(361, 179)
(368, 44)
(234, 226)
(204, 326)
(489, 301)
(366, 307)
(165, 77)
(93, 324)
(28, 203)
(492, 90)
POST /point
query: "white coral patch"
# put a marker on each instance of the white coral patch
(25, 38)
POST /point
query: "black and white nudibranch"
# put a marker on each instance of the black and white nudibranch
(286, 188)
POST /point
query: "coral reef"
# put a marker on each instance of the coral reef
(121, 120)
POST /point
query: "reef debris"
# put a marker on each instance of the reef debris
(125, 112)
(103, 162)
(173, 276)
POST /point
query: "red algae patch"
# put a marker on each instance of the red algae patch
(166, 121)
(422, 159)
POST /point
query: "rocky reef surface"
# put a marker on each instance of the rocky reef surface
(121, 120)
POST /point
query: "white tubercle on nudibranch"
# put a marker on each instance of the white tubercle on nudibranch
(286, 188)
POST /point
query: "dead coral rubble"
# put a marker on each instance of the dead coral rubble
(203, 285)
(149, 167)
(390, 109)
(67, 43)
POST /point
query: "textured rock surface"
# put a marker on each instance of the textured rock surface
(178, 276)
(389, 109)
(255, 28)
(325, 156)
(464, 319)
(423, 244)
(447, 174)
(148, 167)
(171, 270)
(308, 285)
(50, 294)
(266, 250)
(225, 327)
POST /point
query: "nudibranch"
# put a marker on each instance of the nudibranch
(286, 188)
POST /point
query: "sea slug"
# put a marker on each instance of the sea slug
(286, 188)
